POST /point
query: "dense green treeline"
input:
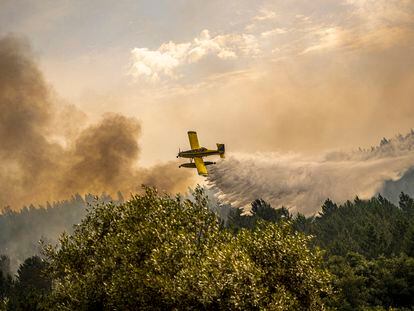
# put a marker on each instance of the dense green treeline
(30, 287)
(372, 228)
(368, 247)
(158, 252)
(20, 231)
(369, 227)
(376, 283)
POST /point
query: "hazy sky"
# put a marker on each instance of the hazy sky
(256, 75)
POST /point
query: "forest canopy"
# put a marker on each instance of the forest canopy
(161, 252)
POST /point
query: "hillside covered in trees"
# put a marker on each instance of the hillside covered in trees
(21, 231)
(368, 248)
(160, 252)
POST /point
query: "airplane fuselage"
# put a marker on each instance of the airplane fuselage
(197, 153)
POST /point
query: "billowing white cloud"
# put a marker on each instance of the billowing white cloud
(152, 64)
(294, 31)
(205, 45)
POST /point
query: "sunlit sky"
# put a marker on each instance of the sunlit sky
(256, 75)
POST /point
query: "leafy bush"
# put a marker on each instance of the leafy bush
(159, 252)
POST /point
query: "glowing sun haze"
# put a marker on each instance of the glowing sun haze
(257, 75)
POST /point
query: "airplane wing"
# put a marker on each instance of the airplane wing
(201, 168)
(192, 136)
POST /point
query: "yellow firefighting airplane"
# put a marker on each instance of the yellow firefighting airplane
(197, 153)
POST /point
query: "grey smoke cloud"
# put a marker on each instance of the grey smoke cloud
(302, 183)
(47, 155)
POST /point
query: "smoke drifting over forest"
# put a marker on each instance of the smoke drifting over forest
(304, 183)
(49, 151)
(45, 152)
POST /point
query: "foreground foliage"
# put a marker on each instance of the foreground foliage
(371, 228)
(384, 282)
(158, 252)
(369, 248)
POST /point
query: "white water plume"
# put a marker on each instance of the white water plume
(303, 183)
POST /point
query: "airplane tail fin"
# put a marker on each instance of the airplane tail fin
(221, 150)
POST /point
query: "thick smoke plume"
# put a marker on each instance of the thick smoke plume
(303, 183)
(46, 155)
